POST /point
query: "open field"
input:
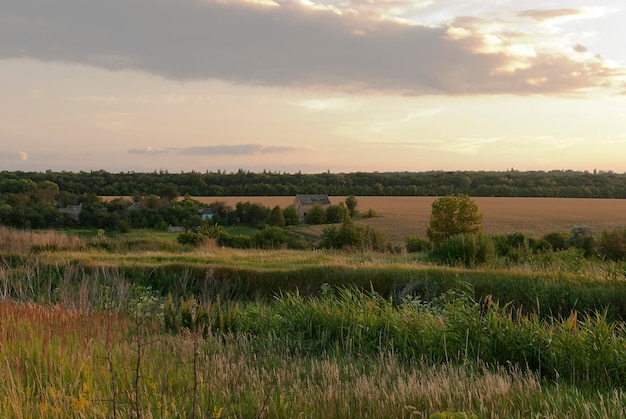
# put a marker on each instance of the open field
(403, 216)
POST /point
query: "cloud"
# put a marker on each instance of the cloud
(331, 104)
(23, 155)
(219, 150)
(149, 150)
(289, 43)
(549, 14)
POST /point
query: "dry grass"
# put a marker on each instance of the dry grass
(24, 241)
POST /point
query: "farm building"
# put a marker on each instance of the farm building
(206, 214)
(304, 202)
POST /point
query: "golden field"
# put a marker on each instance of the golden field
(401, 216)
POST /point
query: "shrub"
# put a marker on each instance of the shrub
(515, 246)
(277, 218)
(354, 236)
(375, 239)
(330, 237)
(316, 215)
(582, 238)
(336, 213)
(238, 241)
(558, 239)
(370, 213)
(464, 249)
(612, 245)
(417, 244)
(291, 216)
(275, 238)
(541, 246)
(190, 238)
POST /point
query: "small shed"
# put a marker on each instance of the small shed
(206, 214)
(303, 202)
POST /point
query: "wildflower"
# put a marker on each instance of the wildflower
(217, 412)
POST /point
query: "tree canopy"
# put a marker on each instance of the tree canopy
(511, 183)
(452, 215)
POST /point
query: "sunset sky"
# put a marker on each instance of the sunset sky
(312, 85)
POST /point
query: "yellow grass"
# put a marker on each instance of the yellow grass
(403, 216)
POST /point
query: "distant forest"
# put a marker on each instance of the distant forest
(564, 184)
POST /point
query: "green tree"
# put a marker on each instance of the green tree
(316, 215)
(277, 219)
(352, 203)
(291, 215)
(47, 191)
(336, 213)
(452, 215)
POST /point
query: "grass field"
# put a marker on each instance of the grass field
(137, 325)
(403, 216)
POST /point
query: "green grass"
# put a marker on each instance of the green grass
(66, 363)
(301, 333)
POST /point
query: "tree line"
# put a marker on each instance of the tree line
(25, 203)
(511, 183)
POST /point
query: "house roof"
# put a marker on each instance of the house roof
(313, 199)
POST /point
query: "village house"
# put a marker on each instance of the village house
(303, 203)
(206, 214)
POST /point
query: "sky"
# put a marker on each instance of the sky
(312, 85)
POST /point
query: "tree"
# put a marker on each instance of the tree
(452, 215)
(277, 219)
(336, 213)
(316, 215)
(291, 215)
(47, 191)
(352, 203)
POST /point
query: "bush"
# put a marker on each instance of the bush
(370, 213)
(336, 213)
(375, 240)
(464, 249)
(276, 238)
(190, 238)
(515, 246)
(238, 241)
(558, 240)
(612, 245)
(417, 244)
(581, 238)
(316, 215)
(291, 216)
(354, 236)
(277, 218)
(541, 246)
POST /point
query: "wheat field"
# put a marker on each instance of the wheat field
(401, 216)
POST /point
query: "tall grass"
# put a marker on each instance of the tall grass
(452, 328)
(61, 363)
(282, 334)
(23, 242)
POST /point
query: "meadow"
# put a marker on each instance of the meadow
(137, 325)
